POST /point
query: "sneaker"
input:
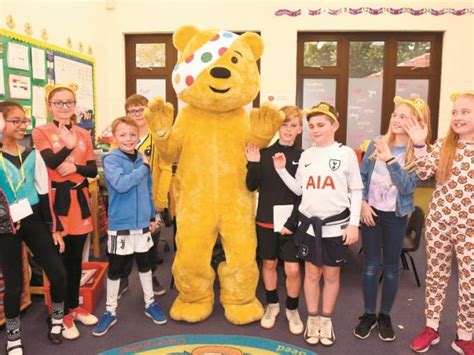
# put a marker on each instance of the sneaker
(272, 310)
(123, 287)
(105, 323)
(70, 330)
(157, 288)
(154, 312)
(311, 333)
(386, 332)
(294, 321)
(83, 316)
(465, 347)
(422, 342)
(367, 323)
(326, 331)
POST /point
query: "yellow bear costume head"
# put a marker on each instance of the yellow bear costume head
(217, 70)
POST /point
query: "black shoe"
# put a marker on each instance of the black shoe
(386, 332)
(157, 288)
(123, 287)
(54, 338)
(365, 326)
(159, 259)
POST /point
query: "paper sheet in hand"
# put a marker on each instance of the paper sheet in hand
(280, 216)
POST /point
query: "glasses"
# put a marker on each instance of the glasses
(61, 104)
(17, 122)
(136, 112)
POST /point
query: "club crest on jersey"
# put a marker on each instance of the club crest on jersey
(334, 164)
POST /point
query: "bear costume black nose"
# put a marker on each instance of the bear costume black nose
(220, 72)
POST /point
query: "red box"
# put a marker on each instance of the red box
(88, 294)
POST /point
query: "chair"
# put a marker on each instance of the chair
(411, 243)
(412, 239)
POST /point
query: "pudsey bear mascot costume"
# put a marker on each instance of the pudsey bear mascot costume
(216, 75)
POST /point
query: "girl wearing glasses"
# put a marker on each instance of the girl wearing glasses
(68, 154)
(26, 216)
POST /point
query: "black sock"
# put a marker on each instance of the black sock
(272, 296)
(291, 303)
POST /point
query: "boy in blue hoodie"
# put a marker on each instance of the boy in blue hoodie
(131, 220)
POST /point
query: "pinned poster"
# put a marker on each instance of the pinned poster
(19, 86)
(2, 79)
(38, 63)
(39, 103)
(18, 56)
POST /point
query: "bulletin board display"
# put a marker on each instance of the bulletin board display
(28, 65)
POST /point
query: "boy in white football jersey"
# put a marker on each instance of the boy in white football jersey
(329, 182)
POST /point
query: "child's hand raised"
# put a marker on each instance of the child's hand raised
(350, 235)
(383, 151)
(279, 161)
(252, 152)
(69, 138)
(418, 132)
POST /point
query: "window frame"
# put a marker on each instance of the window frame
(391, 73)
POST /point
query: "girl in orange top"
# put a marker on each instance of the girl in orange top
(69, 156)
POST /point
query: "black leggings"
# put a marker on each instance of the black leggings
(117, 263)
(72, 259)
(37, 237)
(152, 255)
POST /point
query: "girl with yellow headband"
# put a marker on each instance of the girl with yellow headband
(450, 221)
(68, 154)
(390, 181)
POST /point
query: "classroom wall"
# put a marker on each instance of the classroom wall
(104, 29)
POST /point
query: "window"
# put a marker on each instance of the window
(361, 73)
(150, 59)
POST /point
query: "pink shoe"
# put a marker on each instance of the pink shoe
(422, 342)
(70, 330)
(81, 315)
(465, 347)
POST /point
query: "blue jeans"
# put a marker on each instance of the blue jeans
(385, 238)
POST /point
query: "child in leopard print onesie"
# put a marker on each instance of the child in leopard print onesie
(450, 222)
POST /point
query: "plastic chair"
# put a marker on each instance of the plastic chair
(412, 239)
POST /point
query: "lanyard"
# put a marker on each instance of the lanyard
(22, 172)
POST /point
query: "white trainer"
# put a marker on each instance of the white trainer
(311, 333)
(272, 310)
(327, 336)
(294, 321)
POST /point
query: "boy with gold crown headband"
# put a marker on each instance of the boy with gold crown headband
(327, 174)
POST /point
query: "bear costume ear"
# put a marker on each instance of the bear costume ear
(255, 42)
(183, 35)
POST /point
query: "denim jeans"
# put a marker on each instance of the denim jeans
(385, 239)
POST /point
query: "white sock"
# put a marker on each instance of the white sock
(147, 286)
(112, 295)
(11, 344)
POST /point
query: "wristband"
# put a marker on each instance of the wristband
(390, 160)
(419, 146)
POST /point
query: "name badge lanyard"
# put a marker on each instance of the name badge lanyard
(10, 182)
